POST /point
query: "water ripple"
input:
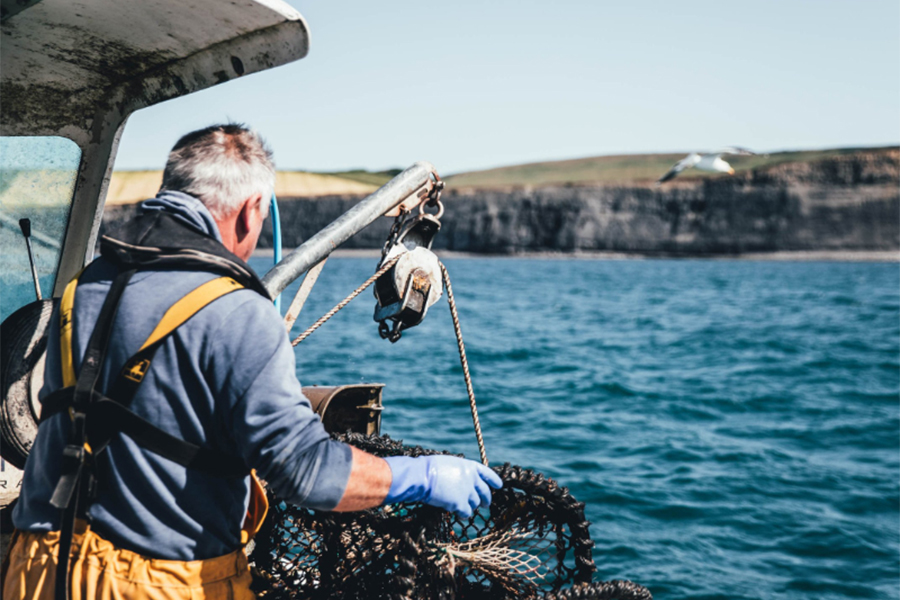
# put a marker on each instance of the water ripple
(733, 427)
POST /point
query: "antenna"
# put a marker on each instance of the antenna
(25, 224)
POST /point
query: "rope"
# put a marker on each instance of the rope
(465, 363)
(346, 300)
(456, 328)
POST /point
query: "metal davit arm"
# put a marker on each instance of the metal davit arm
(416, 181)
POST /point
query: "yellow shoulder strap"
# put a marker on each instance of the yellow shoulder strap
(180, 312)
(188, 306)
(66, 305)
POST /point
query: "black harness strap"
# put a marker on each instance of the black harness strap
(95, 353)
(109, 416)
(56, 402)
(75, 483)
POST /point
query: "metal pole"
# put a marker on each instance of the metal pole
(321, 245)
(302, 294)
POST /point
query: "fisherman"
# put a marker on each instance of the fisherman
(169, 376)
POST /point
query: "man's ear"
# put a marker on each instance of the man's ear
(244, 223)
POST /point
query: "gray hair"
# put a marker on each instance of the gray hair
(222, 166)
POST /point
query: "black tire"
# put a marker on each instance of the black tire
(23, 343)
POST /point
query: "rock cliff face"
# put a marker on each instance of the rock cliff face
(849, 202)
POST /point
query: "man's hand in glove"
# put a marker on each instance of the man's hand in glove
(455, 484)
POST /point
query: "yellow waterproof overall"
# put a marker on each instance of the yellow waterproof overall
(99, 570)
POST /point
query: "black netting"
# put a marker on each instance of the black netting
(533, 542)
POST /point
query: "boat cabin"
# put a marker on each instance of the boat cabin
(71, 73)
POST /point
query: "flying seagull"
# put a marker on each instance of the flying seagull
(705, 161)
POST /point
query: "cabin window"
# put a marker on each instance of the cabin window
(37, 182)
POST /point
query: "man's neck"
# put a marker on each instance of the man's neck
(227, 229)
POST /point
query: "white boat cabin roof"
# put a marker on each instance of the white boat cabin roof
(78, 68)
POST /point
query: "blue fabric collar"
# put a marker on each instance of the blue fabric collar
(185, 208)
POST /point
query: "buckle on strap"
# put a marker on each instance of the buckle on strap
(73, 462)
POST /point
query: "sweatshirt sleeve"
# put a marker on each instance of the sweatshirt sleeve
(272, 423)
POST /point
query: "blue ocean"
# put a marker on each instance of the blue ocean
(732, 426)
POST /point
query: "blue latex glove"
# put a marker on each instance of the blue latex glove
(454, 484)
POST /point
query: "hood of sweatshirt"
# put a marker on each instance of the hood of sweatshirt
(185, 208)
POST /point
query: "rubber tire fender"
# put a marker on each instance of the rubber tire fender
(23, 344)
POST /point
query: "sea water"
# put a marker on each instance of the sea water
(733, 427)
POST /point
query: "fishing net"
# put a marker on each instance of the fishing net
(532, 542)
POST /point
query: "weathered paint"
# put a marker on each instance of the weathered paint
(78, 69)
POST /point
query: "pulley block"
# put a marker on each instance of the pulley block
(406, 291)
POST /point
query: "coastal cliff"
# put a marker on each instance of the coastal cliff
(848, 202)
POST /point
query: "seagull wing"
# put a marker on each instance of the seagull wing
(736, 150)
(685, 163)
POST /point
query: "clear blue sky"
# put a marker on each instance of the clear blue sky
(471, 85)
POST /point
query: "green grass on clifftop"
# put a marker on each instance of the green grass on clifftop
(627, 168)
(378, 178)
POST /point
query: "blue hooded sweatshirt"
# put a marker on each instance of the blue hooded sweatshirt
(225, 380)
